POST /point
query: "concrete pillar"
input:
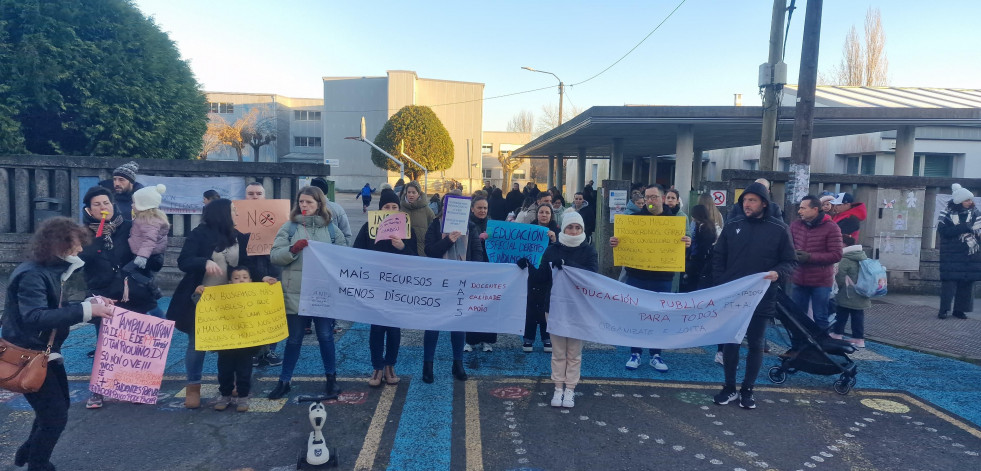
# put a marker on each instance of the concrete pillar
(637, 169)
(604, 228)
(616, 159)
(696, 170)
(652, 171)
(905, 137)
(581, 170)
(550, 180)
(560, 173)
(684, 155)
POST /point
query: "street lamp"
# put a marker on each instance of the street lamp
(561, 88)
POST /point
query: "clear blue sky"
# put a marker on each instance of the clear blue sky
(706, 52)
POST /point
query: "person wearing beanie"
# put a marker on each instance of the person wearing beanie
(772, 209)
(413, 203)
(959, 240)
(656, 281)
(147, 237)
(384, 341)
(124, 185)
(453, 246)
(570, 251)
(753, 243)
(848, 214)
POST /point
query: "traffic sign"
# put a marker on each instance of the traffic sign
(719, 197)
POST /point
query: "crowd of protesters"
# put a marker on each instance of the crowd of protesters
(119, 249)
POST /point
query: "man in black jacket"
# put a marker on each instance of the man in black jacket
(124, 184)
(751, 243)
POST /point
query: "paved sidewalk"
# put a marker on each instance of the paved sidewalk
(910, 321)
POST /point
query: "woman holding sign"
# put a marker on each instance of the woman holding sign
(452, 246)
(35, 317)
(478, 216)
(420, 215)
(537, 294)
(384, 341)
(310, 219)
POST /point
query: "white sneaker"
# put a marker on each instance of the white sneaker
(659, 364)
(633, 362)
(569, 399)
(487, 348)
(557, 398)
(718, 358)
(467, 347)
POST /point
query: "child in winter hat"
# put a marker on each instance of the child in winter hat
(148, 235)
(960, 194)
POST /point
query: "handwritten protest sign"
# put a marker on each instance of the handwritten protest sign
(435, 294)
(650, 243)
(376, 218)
(590, 306)
(393, 225)
(456, 214)
(262, 220)
(130, 356)
(508, 242)
(240, 315)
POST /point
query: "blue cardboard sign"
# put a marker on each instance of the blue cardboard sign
(508, 242)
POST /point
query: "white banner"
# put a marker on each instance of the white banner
(592, 307)
(412, 292)
(185, 195)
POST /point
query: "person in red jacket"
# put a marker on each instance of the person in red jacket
(817, 241)
(848, 214)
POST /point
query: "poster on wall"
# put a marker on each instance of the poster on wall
(898, 229)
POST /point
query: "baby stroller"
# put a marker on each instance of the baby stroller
(811, 349)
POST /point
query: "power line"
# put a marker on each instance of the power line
(635, 47)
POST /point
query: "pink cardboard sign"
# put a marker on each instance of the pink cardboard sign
(130, 356)
(394, 224)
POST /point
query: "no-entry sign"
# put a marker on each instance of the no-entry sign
(719, 197)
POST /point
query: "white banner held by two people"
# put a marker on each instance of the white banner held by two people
(589, 306)
(414, 293)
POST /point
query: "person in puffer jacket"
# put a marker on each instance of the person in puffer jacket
(817, 242)
(850, 303)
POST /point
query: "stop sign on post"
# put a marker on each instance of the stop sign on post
(719, 197)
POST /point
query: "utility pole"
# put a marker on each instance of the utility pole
(800, 169)
(773, 75)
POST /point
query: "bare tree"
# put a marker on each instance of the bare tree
(211, 141)
(256, 129)
(862, 66)
(259, 129)
(876, 64)
(549, 118)
(522, 121)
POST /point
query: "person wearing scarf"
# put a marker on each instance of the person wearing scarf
(478, 216)
(420, 214)
(959, 240)
(452, 246)
(570, 251)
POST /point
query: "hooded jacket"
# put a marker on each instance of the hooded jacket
(753, 245)
(850, 220)
(822, 241)
(846, 278)
(420, 217)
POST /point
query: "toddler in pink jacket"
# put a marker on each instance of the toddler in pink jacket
(148, 235)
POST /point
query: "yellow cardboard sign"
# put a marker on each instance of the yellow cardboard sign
(651, 243)
(240, 315)
(262, 220)
(375, 219)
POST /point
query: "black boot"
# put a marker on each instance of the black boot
(20, 458)
(942, 315)
(458, 371)
(427, 372)
(332, 389)
(960, 315)
(280, 391)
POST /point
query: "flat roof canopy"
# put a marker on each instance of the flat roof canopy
(651, 130)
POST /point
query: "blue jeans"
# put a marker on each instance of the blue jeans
(377, 345)
(430, 338)
(657, 286)
(325, 336)
(817, 297)
(193, 361)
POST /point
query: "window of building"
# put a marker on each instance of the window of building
(305, 141)
(304, 115)
(519, 174)
(216, 107)
(851, 166)
(488, 173)
(751, 164)
(933, 165)
(487, 148)
(784, 165)
(868, 164)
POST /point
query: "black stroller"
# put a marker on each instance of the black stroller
(811, 349)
